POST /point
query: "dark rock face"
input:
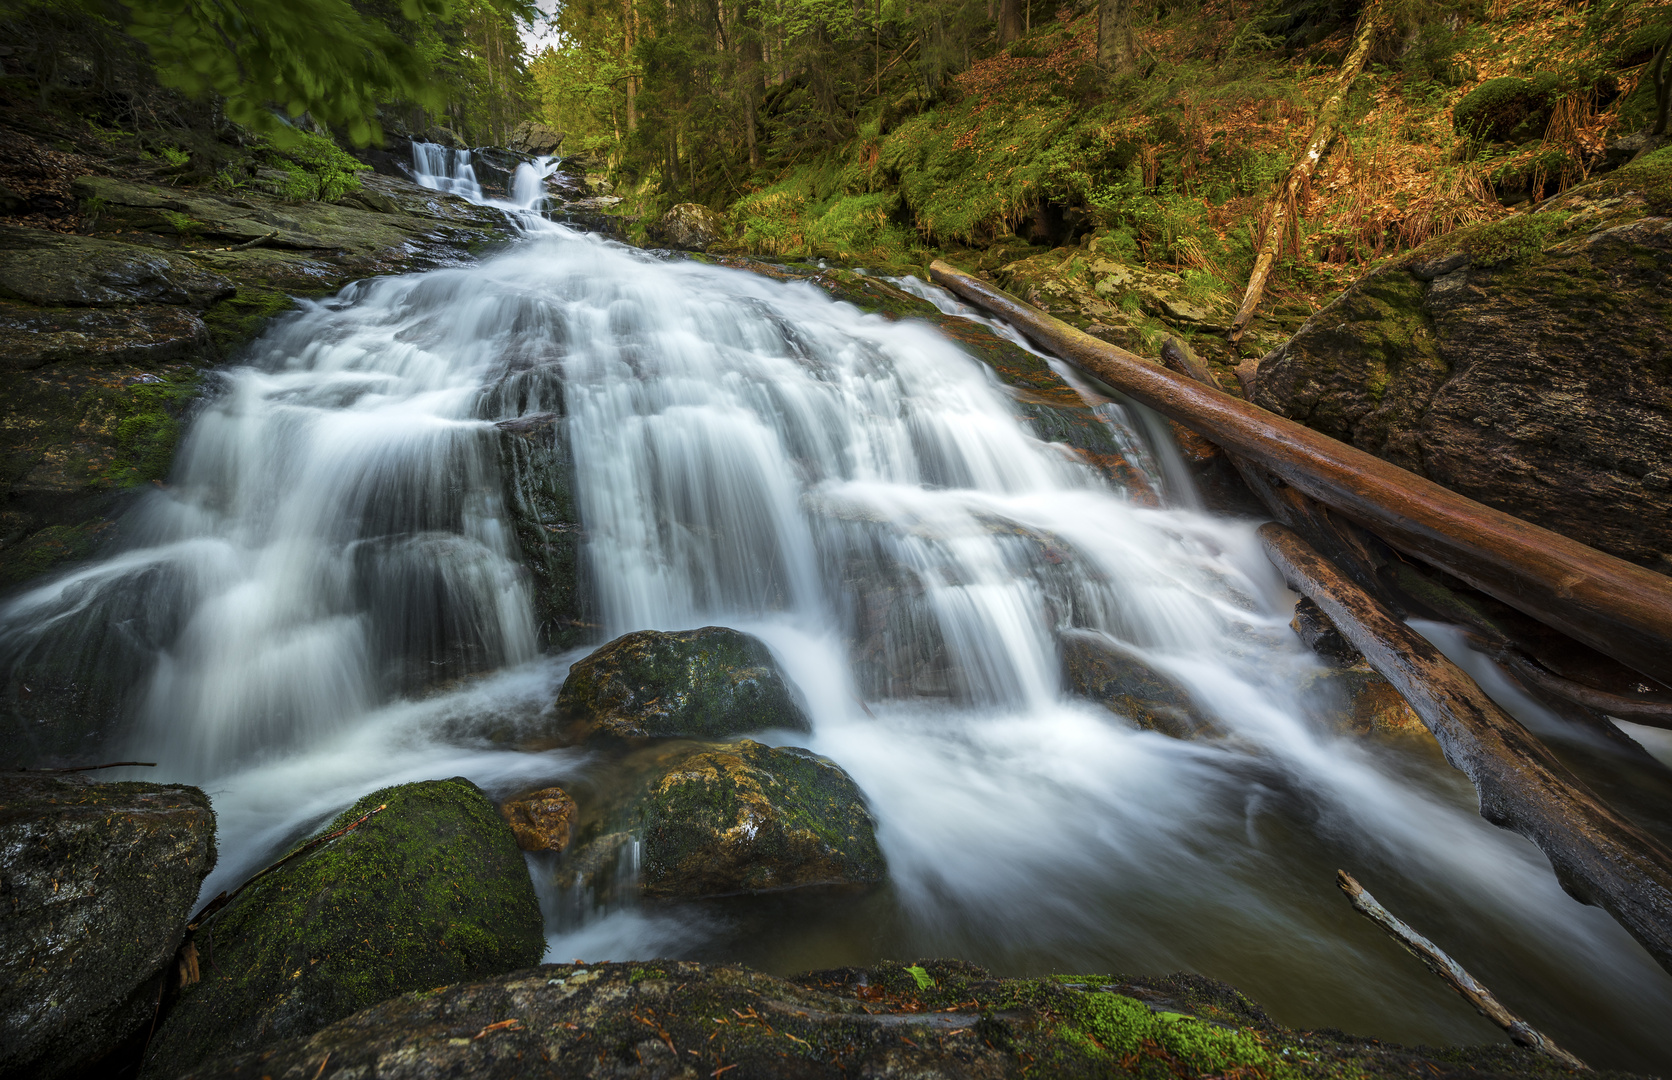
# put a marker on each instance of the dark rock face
(743, 817)
(689, 226)
(933, 1020)
(1526, 364)
(541, 820)
(97, 882)
(429, 890)
(539, 472)
(104, 338)
(1098, 668)
(707, 683)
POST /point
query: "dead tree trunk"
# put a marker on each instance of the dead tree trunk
(1598, 857)
(1280, 216)
(1617, 608)
(1117, 52)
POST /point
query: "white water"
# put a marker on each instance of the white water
(750, 453)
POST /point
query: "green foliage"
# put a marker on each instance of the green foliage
(182, 224)
(922, 978)
(175, 157)
(317, 169)
(321, 57)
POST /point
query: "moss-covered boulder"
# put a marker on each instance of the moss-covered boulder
(689, 226)
(96, 884)
(1506, 109)
(1526, 364)
(707, 683)
(1100, 669)
(713, 820)
(429, 889)
(928, 1020)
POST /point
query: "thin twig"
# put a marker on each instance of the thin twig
(257, 242)
(90, 768)
(1520, 1032)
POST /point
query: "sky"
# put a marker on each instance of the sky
(540, 33)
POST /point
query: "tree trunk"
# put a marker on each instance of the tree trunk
(1598, 857)
(1279, 216)
(1617, 608)
(629, 38)
(1010, 21)
(1117, 52)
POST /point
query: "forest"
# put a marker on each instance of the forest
(835, 539)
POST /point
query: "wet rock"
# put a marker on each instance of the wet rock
(97, 882)
(1357, 701)
(744, 817)
(932, 1020)
(533, 137)
(1098, 668)
(690, 226)
(1526, 364)
(541, 820)
(539, 473)
(707, 683)
(429, 890)
(1314, 628)
(56, 269)
(33, 337)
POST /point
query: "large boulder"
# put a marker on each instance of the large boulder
(96, 882)
(533, 137)
(718, 819)
(1526, 364)
(931, 1020)
(427, 890)
(689, 226)
(707, 683)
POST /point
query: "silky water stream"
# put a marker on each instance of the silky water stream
(334, 543)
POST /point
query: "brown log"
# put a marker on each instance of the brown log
(1599, 858)
(1282, 210)
(1452, 973)
(1617, 608)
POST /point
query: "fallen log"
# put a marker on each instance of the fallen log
(1599, 858)
(1617, 608)
(1452, 973)
(1282, 216)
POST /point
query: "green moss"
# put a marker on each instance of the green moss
(1650, 176)
(641, 974)
(145, 420)
(429, 890)
(239, 318)
(1516, 239)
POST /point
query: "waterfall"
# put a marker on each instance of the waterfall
(331, 595)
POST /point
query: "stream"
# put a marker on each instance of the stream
(750, 453)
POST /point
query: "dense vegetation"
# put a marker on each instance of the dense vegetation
(880, 131)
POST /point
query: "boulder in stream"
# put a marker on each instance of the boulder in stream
(689, 226)
(541, 820)
(718, 819)
(1100, 669)
(96, 882)
(707, 683)
(533, 137)
(428, 889)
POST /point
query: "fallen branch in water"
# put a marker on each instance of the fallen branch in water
(1599, 858)
(257, 242)
(1617, 608)
(1436, 960)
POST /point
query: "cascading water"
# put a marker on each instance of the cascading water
(334, 546)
